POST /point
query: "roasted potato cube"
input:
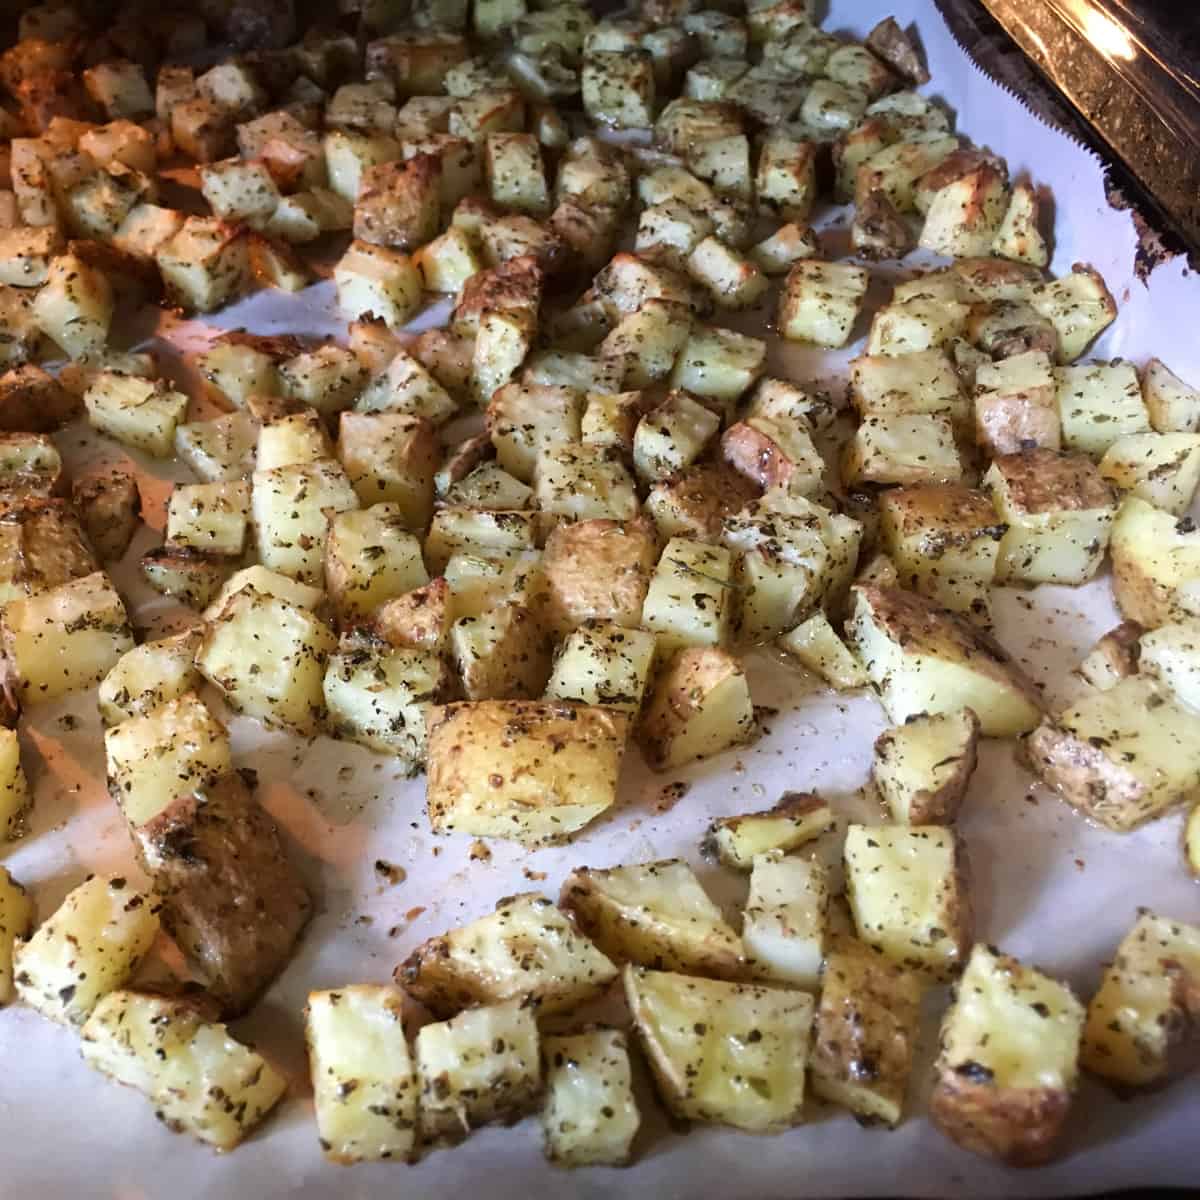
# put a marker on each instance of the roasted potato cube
(1099, 403)
(876, 161)
(89, 947)
(369, 559)
(516, 176)
(964, 217)
(390, 456)
(479, 582)
(27, 254)
(290, 508)
(799, 817)
(526, 950)
(916, 449)
(240, 190)
(148, 676)
(190, 576)
(142, 413)
(690, 599)
(1140, 1023)
(1161, 468)
(295, 439)
(788, 245)
(502, 344)
(1171, 654)
(267, 583)
(1059, 512)
(219, 449)
(405, 386)
(922, 659)
(233, 371)
(1008, 1062)
(821, 301)
(267, 656)
(377, 280)
(729, 1053)
(770, 451)
(502, 654)
(670, 225)
(1079, 306)
(44, 547)
(75, 306)
(1018, 237)
(1114, 656)
(908, 891)
(497, 109)
(672, 436)
(1016, 404)
(481, 1066)
(700, 706)
(398, 203)
(15, 797)
(817, 646)
(489, 487)
(655, 914)
(603, 663)
(865, 1033)
(584, 483)
(211, 517)
(917, 323)
(648, 342)
(228, 895)
(1121, 756)
(719, 365)
(1174, 407)
(784, 923)
(732, 280)
(194, 1073)
(201, 129)
(922, 768)
(234, 87)
(364, 1083)
(525, 420)
(917, 383)
(30, 466)
(540, 798)
(447, 262)
(163, 753)
(65, 639)
(619, 88)
(1156, 560)
(418, 620)
(598, 570)
(479, 531)
(610, 420)
(327, 379)
(205, 265)
(16, 923)
(349, 155)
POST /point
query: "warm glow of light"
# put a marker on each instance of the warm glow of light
(1102, 31)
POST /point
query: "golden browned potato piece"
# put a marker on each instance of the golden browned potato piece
(879, 231)
(695, 502)
(33, 401)
(110, 507)
(230, 898)
(418, 620)
(1114, 656)
(892, 44)
(799, 817)
(43, 546)
(922, 768)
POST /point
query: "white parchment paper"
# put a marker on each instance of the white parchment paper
(1047, 887)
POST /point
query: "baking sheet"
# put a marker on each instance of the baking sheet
(1047, 887)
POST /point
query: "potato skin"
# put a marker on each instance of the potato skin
(230, 898)
(1018, 1126)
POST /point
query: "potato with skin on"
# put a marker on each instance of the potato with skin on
(1121, 756)
(418, 620)
(364, 1082)
(535, 771)
(398, 203)
(502, 654)
(786, 923)
(729, 1053)
(31, 400)
(1156, 561)
(1114, 656)
(90, 946)
(694, 503)
(603, 663)
(65, 639)
(525, 950)
(227, 893)
(1008, 1066)
(1059, 513)
(821, 301)
(1141, 1022)
(16, 923)
(1174, 407)
(480, 1066)
(769, 451)
(908, 888)
(590, 1116)
(922, 659)
(699, 706)
(598, 570)
(655, 914)
(267, 656)
(865, 1033)
(798, 818)
(1016, 405)
(44, 546)
(922, 768)
(149, 675)
(1161, 468)
(199, 1078)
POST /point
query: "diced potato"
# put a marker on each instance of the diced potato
(598, 570)
(1161, 468)
(1079, 306)
(1140, 1023)
(297, 438)
(1174, 407)
(190, 576)
(696, 502)
(198, 1078)
(479, 531)
(784, 926)
(525, 420)
(65, 639)
(733, 281)
(16, 922)
(964, 217)
(922, 768)
(89, 947)
(419, 620)
(1016, 404)
(447, 262)
(211, 517)
(908, 891)
(398, 203)
(491, 488)
(30, 465)
(647, 342)
(377, 280)
(145, 228)
(922, 659)
(369, 559)
(479, 582)
(539, 798)
(816, 645)
(918, 383)
(876, 161)
(918, 323)
(240, 190)
(219, 449)
(15, 797)
(619, 88)
(584, 483)
(655, 914)
(603, 663)
(869, 1014)
(504, 653)
(1120, 756)
(1009, 1060)
(205, 265)
(26, 254)
(788, 245)
(526, 950)
(799, 817)
(390, 456)
(690, 600)
(327, 379)
(821, 301)
(700, 706)
(234, 371)
(290, 508)
(142, 413)
(75, 306)
(729, 1053)
(364, 1083)
(917, 449)
(267, 583)
(1171, 654)
(1059, 512)
(590, 1117)
(481, 1066)
(149, 675)
(1018, 236)
(673, 226)
(233, 86)
(516, 175)
(1114, 656)
(44, 547)
(1156, 560)
(673, 435)
(267, 655)
(380, 698)
(1099, 403)
(490, 110)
